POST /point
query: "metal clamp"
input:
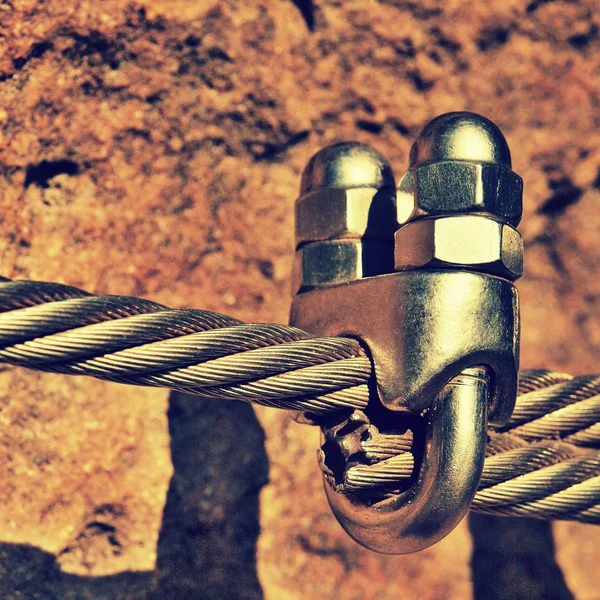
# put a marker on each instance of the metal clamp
(450, 306)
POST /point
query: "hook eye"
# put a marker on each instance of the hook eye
(448, 478)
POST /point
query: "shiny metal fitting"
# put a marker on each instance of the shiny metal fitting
(455, 442)
(345, 217)
(422, 328)
(460, 163)
(470, 242)
(346, 165)
(332, 262)
(443, 332)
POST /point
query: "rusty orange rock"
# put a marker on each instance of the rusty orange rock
(154, 148)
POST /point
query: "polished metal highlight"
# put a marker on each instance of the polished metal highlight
(345, 166)
(468, 242)
(429, 325)
(460, 163)
(345, 217)
(330, 262)
(422, 328)
(459, 202)
(461, 136)
(445, 484)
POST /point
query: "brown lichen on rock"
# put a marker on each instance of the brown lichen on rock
(154, 148)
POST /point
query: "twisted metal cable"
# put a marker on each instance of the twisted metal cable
(568, 409)
(545, 463)
(57, 328)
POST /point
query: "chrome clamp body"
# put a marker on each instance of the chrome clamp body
(422, 328)
(443, 331)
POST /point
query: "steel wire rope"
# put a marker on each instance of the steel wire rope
(545, 463)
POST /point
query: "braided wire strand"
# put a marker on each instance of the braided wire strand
(545, 463)
(56, 328)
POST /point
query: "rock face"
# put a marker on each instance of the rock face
(154, 148)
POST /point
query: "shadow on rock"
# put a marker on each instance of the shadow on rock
(513, 559)
(207, 542)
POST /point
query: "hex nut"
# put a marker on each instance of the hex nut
(451, 187)
(355, 213)
(470, 242)
(333, 262)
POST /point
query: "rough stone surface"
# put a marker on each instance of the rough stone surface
(154, 148)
